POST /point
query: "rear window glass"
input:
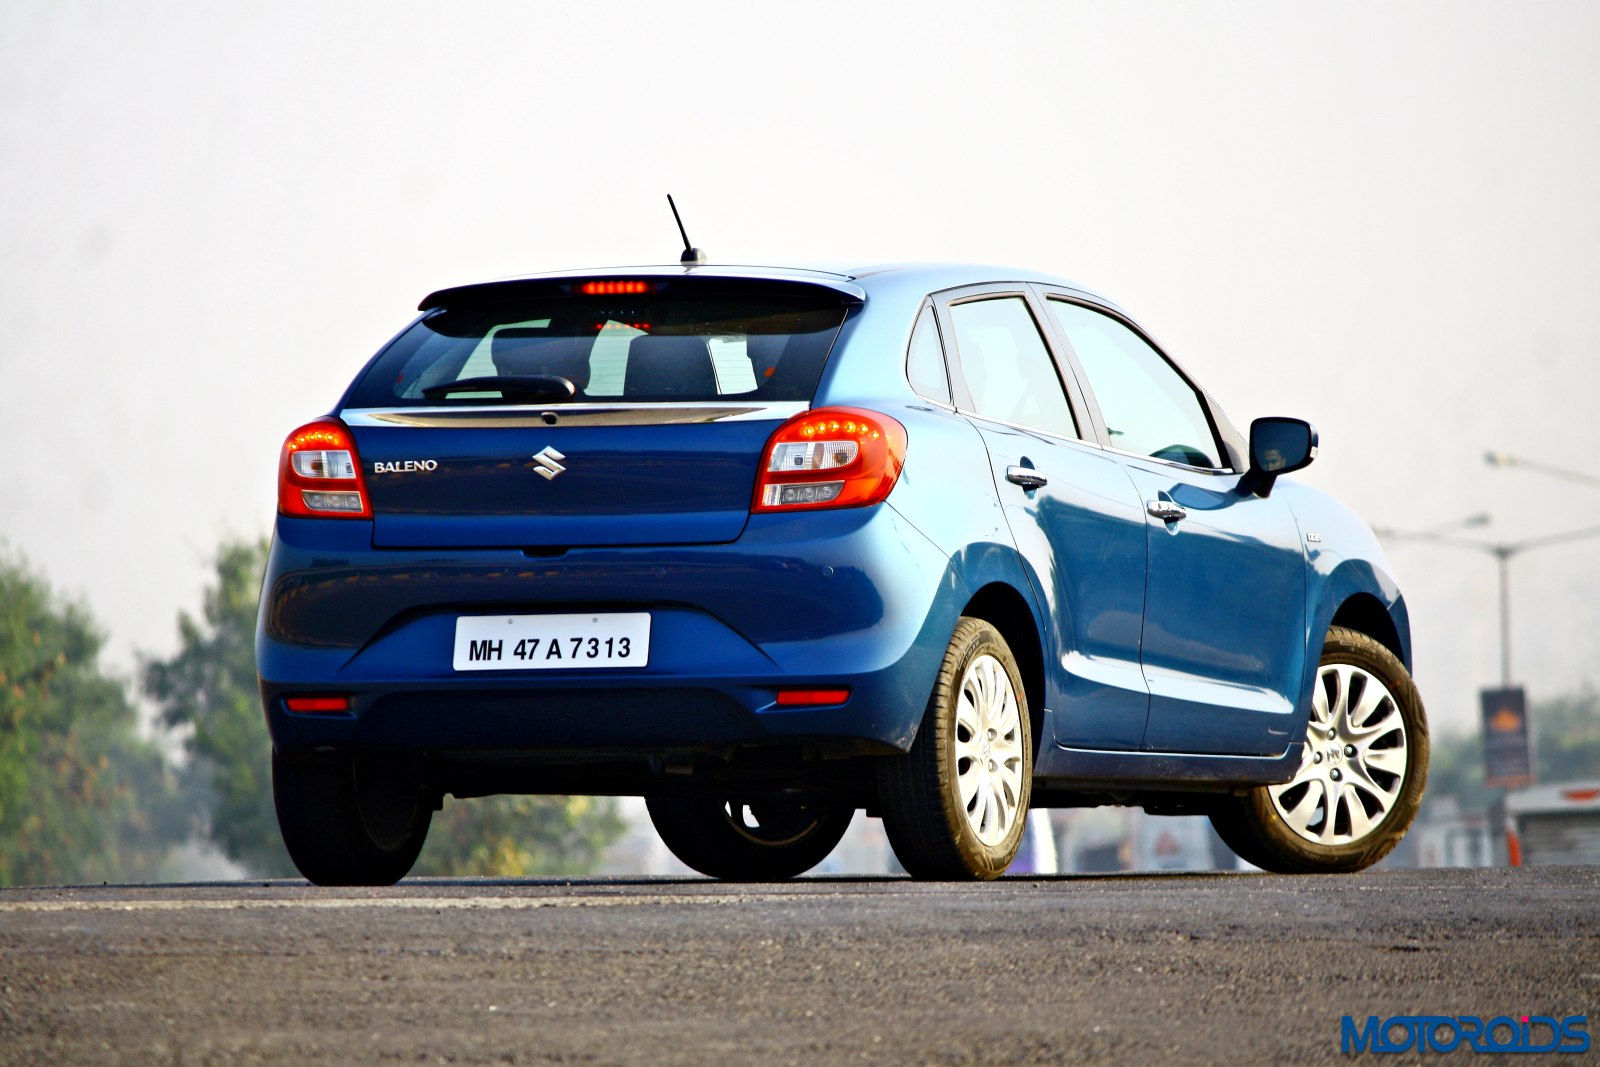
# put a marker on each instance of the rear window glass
(652, 347)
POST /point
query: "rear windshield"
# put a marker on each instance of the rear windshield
(659, 346)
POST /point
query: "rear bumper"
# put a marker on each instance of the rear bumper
(854, 598)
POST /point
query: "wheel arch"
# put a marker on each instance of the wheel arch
(1357, 595)
(1001, 606)
(1366, 614)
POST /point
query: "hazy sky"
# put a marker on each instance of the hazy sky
(1379, 216)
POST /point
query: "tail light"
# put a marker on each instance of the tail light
(319, 474)
(831, 458)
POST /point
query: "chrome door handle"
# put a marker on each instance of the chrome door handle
(1026, 477)
(1165, 510)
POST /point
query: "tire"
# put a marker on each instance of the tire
(350, 820)
(1360, 778)
(955, 806)
(766, 841)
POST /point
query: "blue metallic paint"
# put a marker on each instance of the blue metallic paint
(863, 597)
(1223, 645)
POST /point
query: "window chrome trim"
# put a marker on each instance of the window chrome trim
(1053, 438)
(1170, 462)
(530, 415)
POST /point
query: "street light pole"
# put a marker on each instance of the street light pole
(1502, 559)
(1503, 552)
(1505, 459)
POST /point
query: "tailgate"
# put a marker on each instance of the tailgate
(600, 475)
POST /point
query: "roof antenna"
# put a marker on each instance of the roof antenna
(692, 256)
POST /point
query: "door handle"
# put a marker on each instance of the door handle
(1165, 510)
(1026, 477)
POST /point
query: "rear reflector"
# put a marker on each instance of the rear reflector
(831, 458)
(791, 698)
(317, 705)
(319, 473)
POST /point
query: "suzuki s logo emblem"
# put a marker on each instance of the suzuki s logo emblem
(549, 461)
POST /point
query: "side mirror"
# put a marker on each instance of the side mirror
(1277, 446)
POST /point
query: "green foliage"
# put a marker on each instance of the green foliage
(208, 690)
(82, 796)
(515, 836)
(1566, 736)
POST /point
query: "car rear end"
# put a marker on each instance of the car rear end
(590, 534)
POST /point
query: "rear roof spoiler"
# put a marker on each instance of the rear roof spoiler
(700, 281)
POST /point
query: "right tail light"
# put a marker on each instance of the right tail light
(833, 457)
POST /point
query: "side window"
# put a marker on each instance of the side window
(925, 360)
(1148, 407)
(1007, 368)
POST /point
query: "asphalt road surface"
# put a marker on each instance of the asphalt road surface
(1214, 968)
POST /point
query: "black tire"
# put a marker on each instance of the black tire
(350, 820)
(1369, 754)
(934, 833)
(764, 841)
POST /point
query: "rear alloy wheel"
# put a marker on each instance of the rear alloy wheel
(350, 820)
(1361, 774)
(762, 841)
(956, 805)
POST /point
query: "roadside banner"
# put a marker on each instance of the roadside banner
(1507, 756)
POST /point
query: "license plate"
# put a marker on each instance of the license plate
(549, 642)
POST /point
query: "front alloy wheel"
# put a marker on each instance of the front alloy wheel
(1361, 772)
(1354, 764)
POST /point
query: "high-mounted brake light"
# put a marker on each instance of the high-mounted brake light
(831, 458)
(614, 288)
(319, 473)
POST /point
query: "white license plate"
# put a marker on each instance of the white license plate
(549, 642)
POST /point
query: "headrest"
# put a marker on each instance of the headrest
(669, 367)
(521, 350)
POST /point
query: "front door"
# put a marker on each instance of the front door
(1223, 646)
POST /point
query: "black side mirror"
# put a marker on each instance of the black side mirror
(1277, 446)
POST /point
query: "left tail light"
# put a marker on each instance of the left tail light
(319, 473)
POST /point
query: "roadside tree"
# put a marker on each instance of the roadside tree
(83, 797)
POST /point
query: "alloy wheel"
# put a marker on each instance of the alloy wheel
(1353, 768)
(988, 750)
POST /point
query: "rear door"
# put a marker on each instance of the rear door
(586, 412)
(1071, 509)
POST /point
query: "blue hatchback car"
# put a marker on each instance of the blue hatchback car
(769, 545)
